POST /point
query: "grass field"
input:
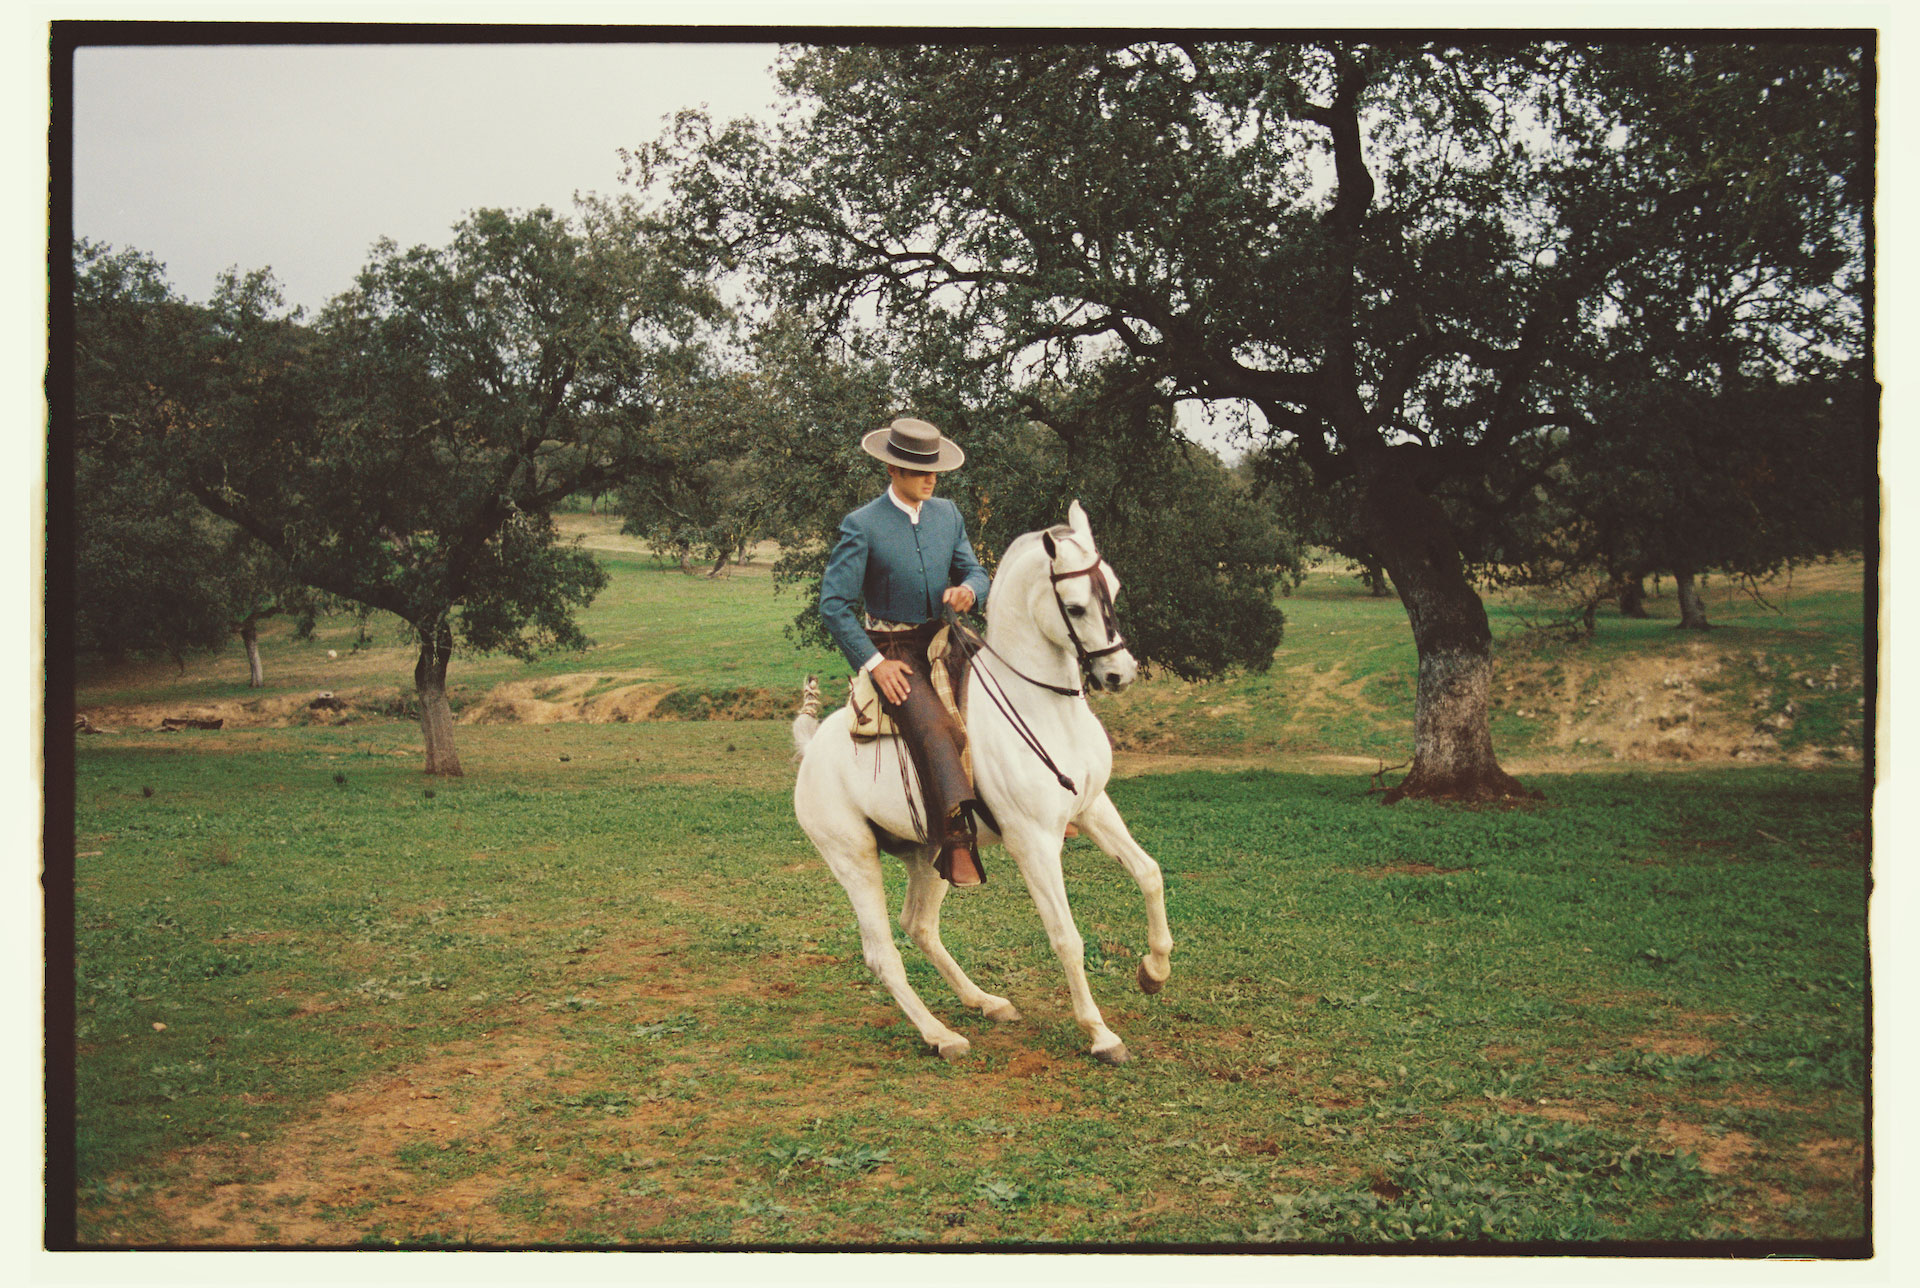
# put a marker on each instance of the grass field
(1763, 686)
(601, 992)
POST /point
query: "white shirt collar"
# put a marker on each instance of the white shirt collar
(911, 511)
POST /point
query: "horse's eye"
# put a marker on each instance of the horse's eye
(1076, 610)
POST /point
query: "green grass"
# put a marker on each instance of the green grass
(1342, 683)
(690, 632)
(1384, 1024)
(601, 992)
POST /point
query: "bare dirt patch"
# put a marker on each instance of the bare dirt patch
(1408, 870)
(1674, 1045)
(393, 1151)
(1719, 1152)
(1670, 708)
(1838, 1160)
(589, 698)
(236, 713)
(1645, 708)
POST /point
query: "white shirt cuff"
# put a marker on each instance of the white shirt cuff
(872, 662)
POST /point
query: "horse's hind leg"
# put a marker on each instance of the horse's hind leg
(856, 865)
(1105, 828)
(920, 918)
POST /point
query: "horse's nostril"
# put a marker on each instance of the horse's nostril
(1113, 680)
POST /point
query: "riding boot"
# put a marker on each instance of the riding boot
(958, 861)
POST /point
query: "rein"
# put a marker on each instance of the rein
(976, 642)
(973, 641)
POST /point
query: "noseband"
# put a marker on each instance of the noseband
(1104, 598)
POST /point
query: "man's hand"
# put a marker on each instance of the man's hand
(890, 677)
(961, 597)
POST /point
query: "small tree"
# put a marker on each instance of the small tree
(155, 573)
(704, 490)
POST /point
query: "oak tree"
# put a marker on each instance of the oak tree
(1406, 254)
(405, 451)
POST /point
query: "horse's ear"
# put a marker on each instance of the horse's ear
(1046, 540)
(1077, 520)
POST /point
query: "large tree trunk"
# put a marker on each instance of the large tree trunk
(1453, 743)
(1632, 593)
(436, 717)
(719, 565)
(250, 636)
(1693, 611)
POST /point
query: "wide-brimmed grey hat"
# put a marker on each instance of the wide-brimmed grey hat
(914, 445)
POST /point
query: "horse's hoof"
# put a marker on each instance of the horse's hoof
(952, 1049)
(1115, 1054)
(1148, 984)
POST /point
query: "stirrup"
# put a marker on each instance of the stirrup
(969, 873)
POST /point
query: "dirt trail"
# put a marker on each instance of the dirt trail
(599, 697)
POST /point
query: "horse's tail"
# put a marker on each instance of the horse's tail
(807, 723)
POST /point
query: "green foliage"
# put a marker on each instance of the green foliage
(153, 571)
(1415, 259)
(1505, 1180)
(406, 451)
(1199, 560)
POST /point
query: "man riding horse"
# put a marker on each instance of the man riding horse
(905, 554)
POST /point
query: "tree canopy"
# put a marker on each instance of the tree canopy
(1415, 258)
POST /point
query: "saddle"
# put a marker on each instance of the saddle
(949, 666)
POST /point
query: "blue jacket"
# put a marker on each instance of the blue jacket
(899, 568)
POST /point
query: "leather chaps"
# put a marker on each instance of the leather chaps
(935, 742)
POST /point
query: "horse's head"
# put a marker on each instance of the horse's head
(1083, 588)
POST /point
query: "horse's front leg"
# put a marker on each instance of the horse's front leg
(1038, 854)
(1104, 827)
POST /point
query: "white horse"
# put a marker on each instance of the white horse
(1049, 616)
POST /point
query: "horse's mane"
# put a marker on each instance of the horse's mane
(1024, 542)
(1019, 544)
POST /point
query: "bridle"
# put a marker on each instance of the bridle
(1102, 596)
(974, 642)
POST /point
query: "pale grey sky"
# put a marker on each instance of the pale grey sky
(299, 157)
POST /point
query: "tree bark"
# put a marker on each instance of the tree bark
(1376, 578)
(250, 636)
(1632, 594)
(1693, 610)
(1453, 756)
(430, 682)
(719, 564)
